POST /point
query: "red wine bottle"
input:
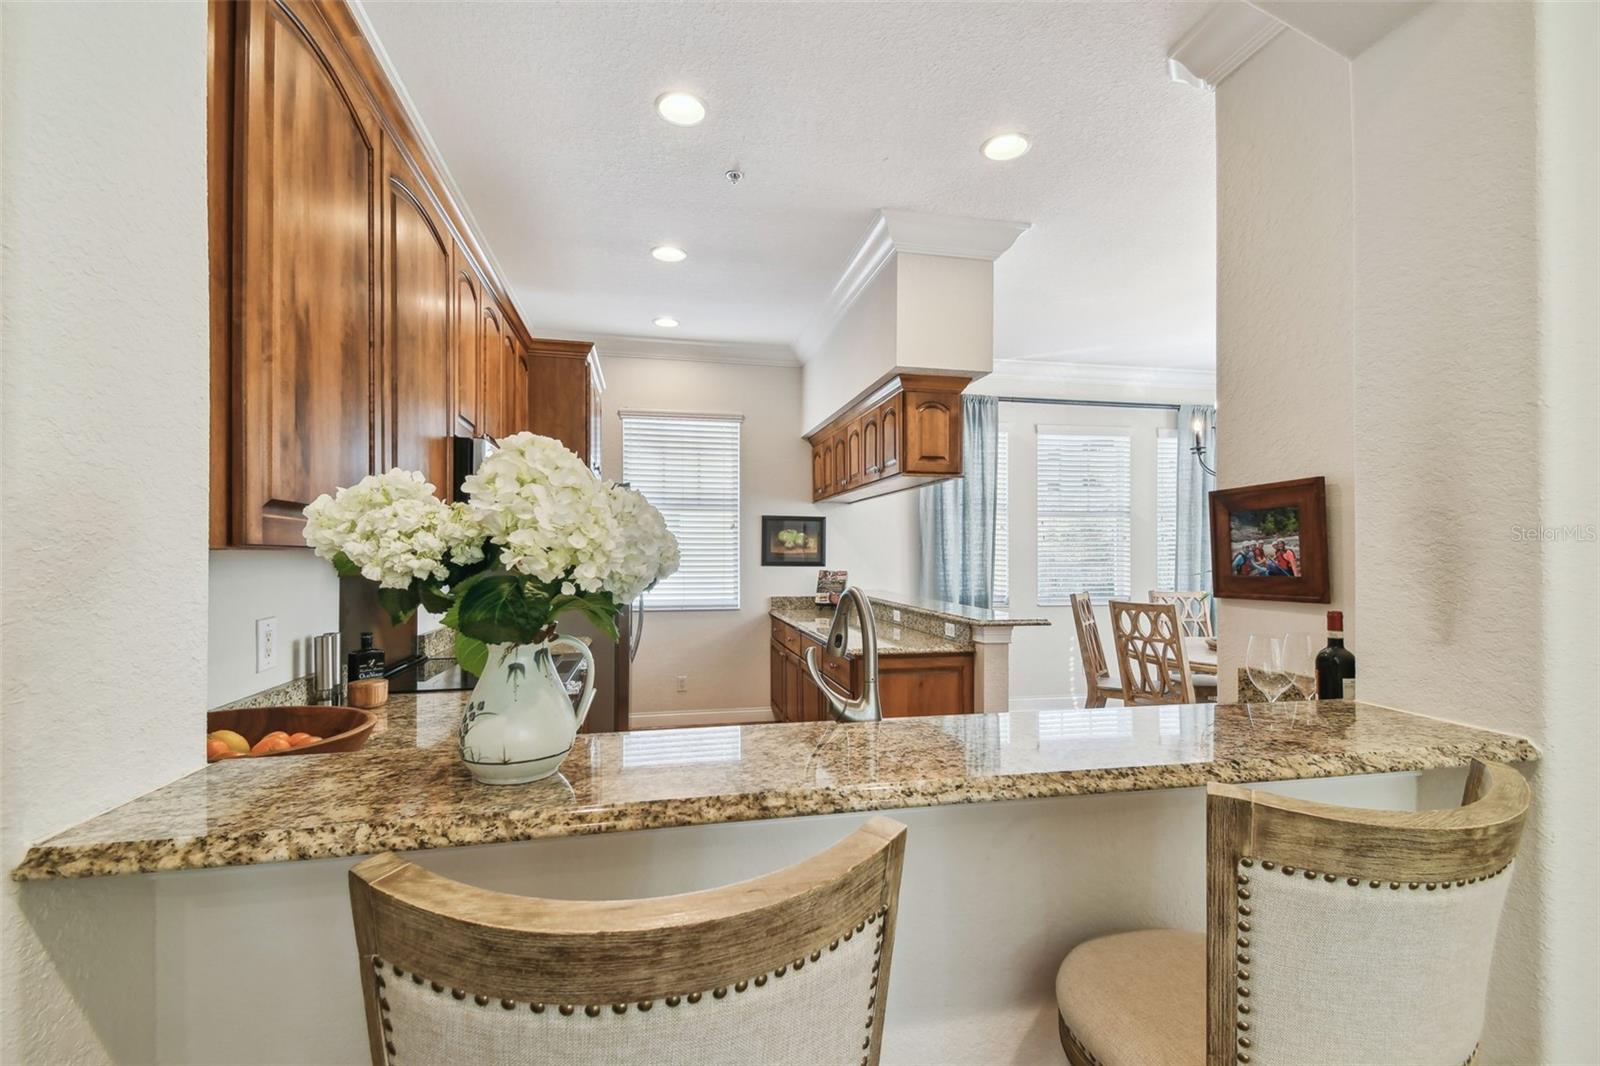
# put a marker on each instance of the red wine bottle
(1336, 666)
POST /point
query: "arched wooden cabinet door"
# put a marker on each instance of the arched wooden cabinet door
(468, 351)
(932, 432)
(492, 344)
(305, 292)
(841, 459)
(418, 410)
(889, 437)
(871, 446)
(821, 455)
(853, 461)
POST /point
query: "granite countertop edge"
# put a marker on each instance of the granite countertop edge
(455, 829)
(909, 642)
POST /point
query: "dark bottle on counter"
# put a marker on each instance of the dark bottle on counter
(1336, 666)
(368, 662)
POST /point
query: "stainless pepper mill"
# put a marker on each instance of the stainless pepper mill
(327, 669)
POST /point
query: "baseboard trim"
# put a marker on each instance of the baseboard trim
(714, 716)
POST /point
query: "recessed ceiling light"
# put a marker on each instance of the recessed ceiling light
(669, 254)
(681, 109)
(667, 322)
(1006, 146)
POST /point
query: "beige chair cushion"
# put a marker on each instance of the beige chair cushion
(1137, 998)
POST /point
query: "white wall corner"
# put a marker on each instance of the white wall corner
(895, 230)
(1226, 36)
(1346, 28)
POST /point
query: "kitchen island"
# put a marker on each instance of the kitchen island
(240, 867)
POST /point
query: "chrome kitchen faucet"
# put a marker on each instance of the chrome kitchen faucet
(840, 704)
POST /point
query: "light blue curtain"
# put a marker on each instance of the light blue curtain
(956, 517)
(1193, 571)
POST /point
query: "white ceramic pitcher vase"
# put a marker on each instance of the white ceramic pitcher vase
(520, 722)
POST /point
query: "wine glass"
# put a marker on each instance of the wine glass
(1299, 660)
(1264, 663)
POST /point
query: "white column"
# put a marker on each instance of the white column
(991, 679)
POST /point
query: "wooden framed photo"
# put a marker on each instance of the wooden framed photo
(1270, 542)
(794, 540)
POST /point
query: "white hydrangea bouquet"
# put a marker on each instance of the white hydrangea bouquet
(539, 536)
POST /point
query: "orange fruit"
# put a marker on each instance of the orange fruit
(216, 749)
(274, 741)
(300, 740)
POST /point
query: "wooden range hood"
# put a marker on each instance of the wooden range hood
(900, 434)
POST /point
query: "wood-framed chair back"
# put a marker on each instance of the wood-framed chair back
(1337, 934)
(1150, 655)
(1096, 674)
(793, 965)
(1194, 610)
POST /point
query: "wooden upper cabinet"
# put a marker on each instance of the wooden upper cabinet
(417, 411)
(468, 351)
(932, 433)
(564, 394)
(889, 437)
(821, 458)
(854, 470)
(304, 357)
(520, 391)
(491, 342)
(871, 446)
(904, 433)
(841, 458)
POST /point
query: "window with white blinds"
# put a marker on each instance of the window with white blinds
(1085, 524)
(1166, 509)
(688, 467)
(1002, 521)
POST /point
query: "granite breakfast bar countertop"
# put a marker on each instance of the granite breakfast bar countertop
(408, 790)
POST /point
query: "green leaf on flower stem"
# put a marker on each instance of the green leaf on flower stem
(472, 654)
(400, 603)
(503, 609)
(599, 607)
(344, 567)
(433, 599)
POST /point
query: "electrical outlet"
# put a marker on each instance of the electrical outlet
(950, 629)
(266, 644)
(894, 614)
(683, 683)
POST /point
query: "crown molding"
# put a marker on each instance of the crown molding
(1226, 36)
(732, 353)
(1100, 375)
(896, 230)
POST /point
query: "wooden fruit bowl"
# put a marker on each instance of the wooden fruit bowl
(341, 728)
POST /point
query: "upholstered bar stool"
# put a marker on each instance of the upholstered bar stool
(789, 967)
(1333, 935)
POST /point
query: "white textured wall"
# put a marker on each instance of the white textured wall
(289, 584)
(1284, 317)
(1475, 404)
(858, 351)
(725, 653)
(944, 313)
(103, 564)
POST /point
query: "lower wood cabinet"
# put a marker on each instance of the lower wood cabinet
(908, 685)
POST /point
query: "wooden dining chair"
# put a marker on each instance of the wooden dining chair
(1194, 610)
(792, 966)
(1150, 655)
(1333, 935)
(1097, 676)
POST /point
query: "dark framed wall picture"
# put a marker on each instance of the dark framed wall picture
(793, 540)
(1270, 542)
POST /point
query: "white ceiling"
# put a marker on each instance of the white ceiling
(543, 114)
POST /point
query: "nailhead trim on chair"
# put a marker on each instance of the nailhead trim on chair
(593, 1010)
(1241, 1023)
